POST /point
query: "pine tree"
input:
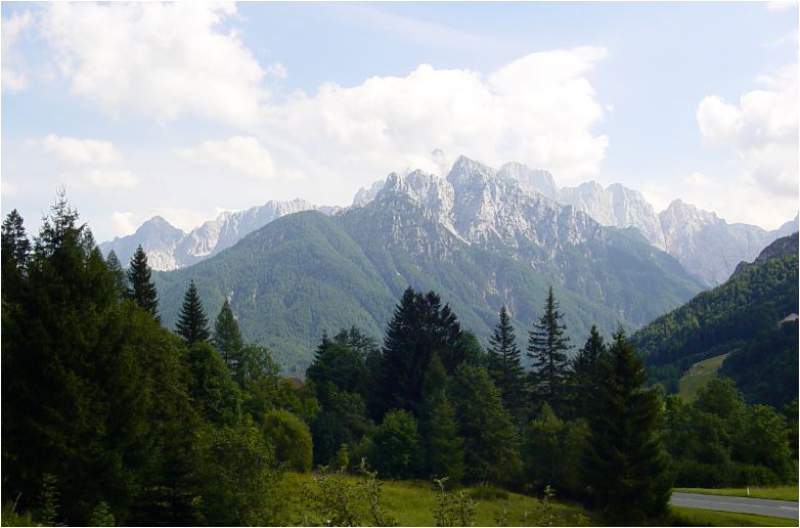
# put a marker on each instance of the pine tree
(586, 372)
(227, 337)
(115, 267)
(505, 367)
(15, 246)
(442, 445)
(491, 442)
(141, 289)
(192, 322)
(420, 327)
(625, 465)
(547, 348)
(15, 251)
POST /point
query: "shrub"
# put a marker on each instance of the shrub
(290, 437)
(395, 442)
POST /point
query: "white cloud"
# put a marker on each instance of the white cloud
(14, 76)
(761, 130)
(539, 110)
(83, 151)
(111, 179)
(781, 5)
(156, 60)
(242, 154)
(123, 223)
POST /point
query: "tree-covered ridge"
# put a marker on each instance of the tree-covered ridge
(726, 319)
(306, 273)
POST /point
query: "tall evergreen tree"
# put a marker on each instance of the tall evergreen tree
(15, 250)
(547, 347)
(421, 326)
(586, 373)
(115, 267)
(505, 367)
(192, 323)
(15, 245)
(625, 465)
(443, 447)
(491, 442)
(141, 288)
(227, 337)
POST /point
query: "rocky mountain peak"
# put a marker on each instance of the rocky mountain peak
(531, 180)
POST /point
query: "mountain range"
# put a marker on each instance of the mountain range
(477, 236)
(707, 246)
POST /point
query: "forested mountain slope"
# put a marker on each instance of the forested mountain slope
(738, 317)
(475, 238)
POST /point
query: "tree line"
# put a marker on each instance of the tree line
(111, 418)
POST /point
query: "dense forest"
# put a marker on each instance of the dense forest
(111, 418)
(742, 318)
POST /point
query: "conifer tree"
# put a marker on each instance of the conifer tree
(491, 442)
(227, 337)
(547, 348)
(115, 267)
(625, 465)
(586, 372)
(141, 289)
(15, 244)
(420, 327)
(505, 367)
(443, 447)
(192, 323)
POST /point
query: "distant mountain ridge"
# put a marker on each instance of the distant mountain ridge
(706, 245)
(169, 248)
(475, 236)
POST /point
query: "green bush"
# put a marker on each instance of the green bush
(395, 442)
(290, 437)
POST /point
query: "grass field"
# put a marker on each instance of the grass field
(694, 517)
(788, 493)
(698, 376)
(412, 503)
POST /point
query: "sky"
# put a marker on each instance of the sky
(185, 110)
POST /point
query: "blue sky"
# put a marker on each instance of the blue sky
(185, 111)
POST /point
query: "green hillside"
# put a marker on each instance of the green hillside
(698, 377)
(737, 318)
(308, 273)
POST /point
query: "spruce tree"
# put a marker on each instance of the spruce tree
(586, 372)
(141, 289)
(192, 323)
(115, 267)
(625, 465)
(15, 244)
(442, 445)
(227, 337)
(505, 367)
(547, 347)
(420, 327)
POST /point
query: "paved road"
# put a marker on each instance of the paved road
(775, 508)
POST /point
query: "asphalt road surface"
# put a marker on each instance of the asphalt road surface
(774, 508)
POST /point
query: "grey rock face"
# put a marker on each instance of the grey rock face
(169, 248)
(616, 206)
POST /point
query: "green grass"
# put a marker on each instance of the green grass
(695, 517)
(412, 503)
(698, 377)
(788, 493)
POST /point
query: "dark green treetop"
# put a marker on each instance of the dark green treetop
(141, 289)
(192, 323)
